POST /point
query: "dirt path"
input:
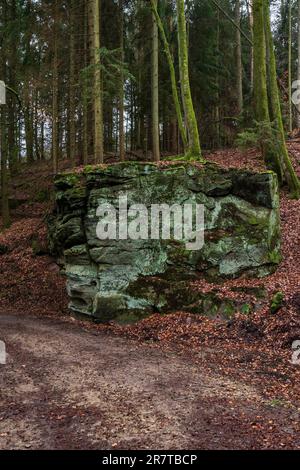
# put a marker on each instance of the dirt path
(65, 388)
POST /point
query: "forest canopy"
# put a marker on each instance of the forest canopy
(147, 79)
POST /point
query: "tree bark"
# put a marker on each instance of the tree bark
(55, 134)
(286, 165)
(298, 68)
(3, 134)
(194, 148)
(94, 25)
(239, 65)
(290, 68)
(4, 173)
(155, 90)
(261, 106)
(121, 95)
(72, 107)
(172, 76)
(85, 107)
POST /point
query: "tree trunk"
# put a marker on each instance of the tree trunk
(55, 135)
(298, 68)
(239, 65)
(4, 174)
(12, 112)
(261, 106)
(260, 69)
(42, 139)
(194, 149)
(3, 133)
(72, 123)
(290, 68)
(286, 166)
(84, 91)
(155, 91)
(249, 4)
(121, 96)
(172, 75)
(94, 25)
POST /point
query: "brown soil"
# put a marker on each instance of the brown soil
(67, 387)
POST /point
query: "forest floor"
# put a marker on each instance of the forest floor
(174, 381)
(65, 387)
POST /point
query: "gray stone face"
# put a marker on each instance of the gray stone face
(129, 279)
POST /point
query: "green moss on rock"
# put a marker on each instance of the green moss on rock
(129, 279)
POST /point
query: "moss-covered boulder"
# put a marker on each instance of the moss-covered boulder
(115, 279)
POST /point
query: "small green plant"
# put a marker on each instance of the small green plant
(277, 302)
(246, 139)
(38, 248)
(246, 309)
(276, 403)
(42, 196)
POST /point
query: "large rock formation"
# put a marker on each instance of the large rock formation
(128, 279)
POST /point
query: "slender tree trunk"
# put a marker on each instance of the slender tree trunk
(217, 110)
(286, 166)
(84, 91)
(260, 69)
(12, 112)
(4, 173)
(194, 149)
(121, 95)
(298, 68)
(139, 124)
(72, 123)
(28, 123)
(94, 24)
(172, 76)
(3, 132)
(36, 126)
(55, 135)
(290, 68)
(249, 4)
(42, 139)
(261, 106)
(155, 91)
(239, 65)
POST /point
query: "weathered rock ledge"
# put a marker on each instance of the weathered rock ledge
(127, 279)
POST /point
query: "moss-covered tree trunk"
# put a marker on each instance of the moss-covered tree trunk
(290, 67)
(172, 75)
(298, 52)
(287, 169)
(85, 107)
(261, 105)
(155, 90)
(260, 69)
(194, 148)
(239, 65)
